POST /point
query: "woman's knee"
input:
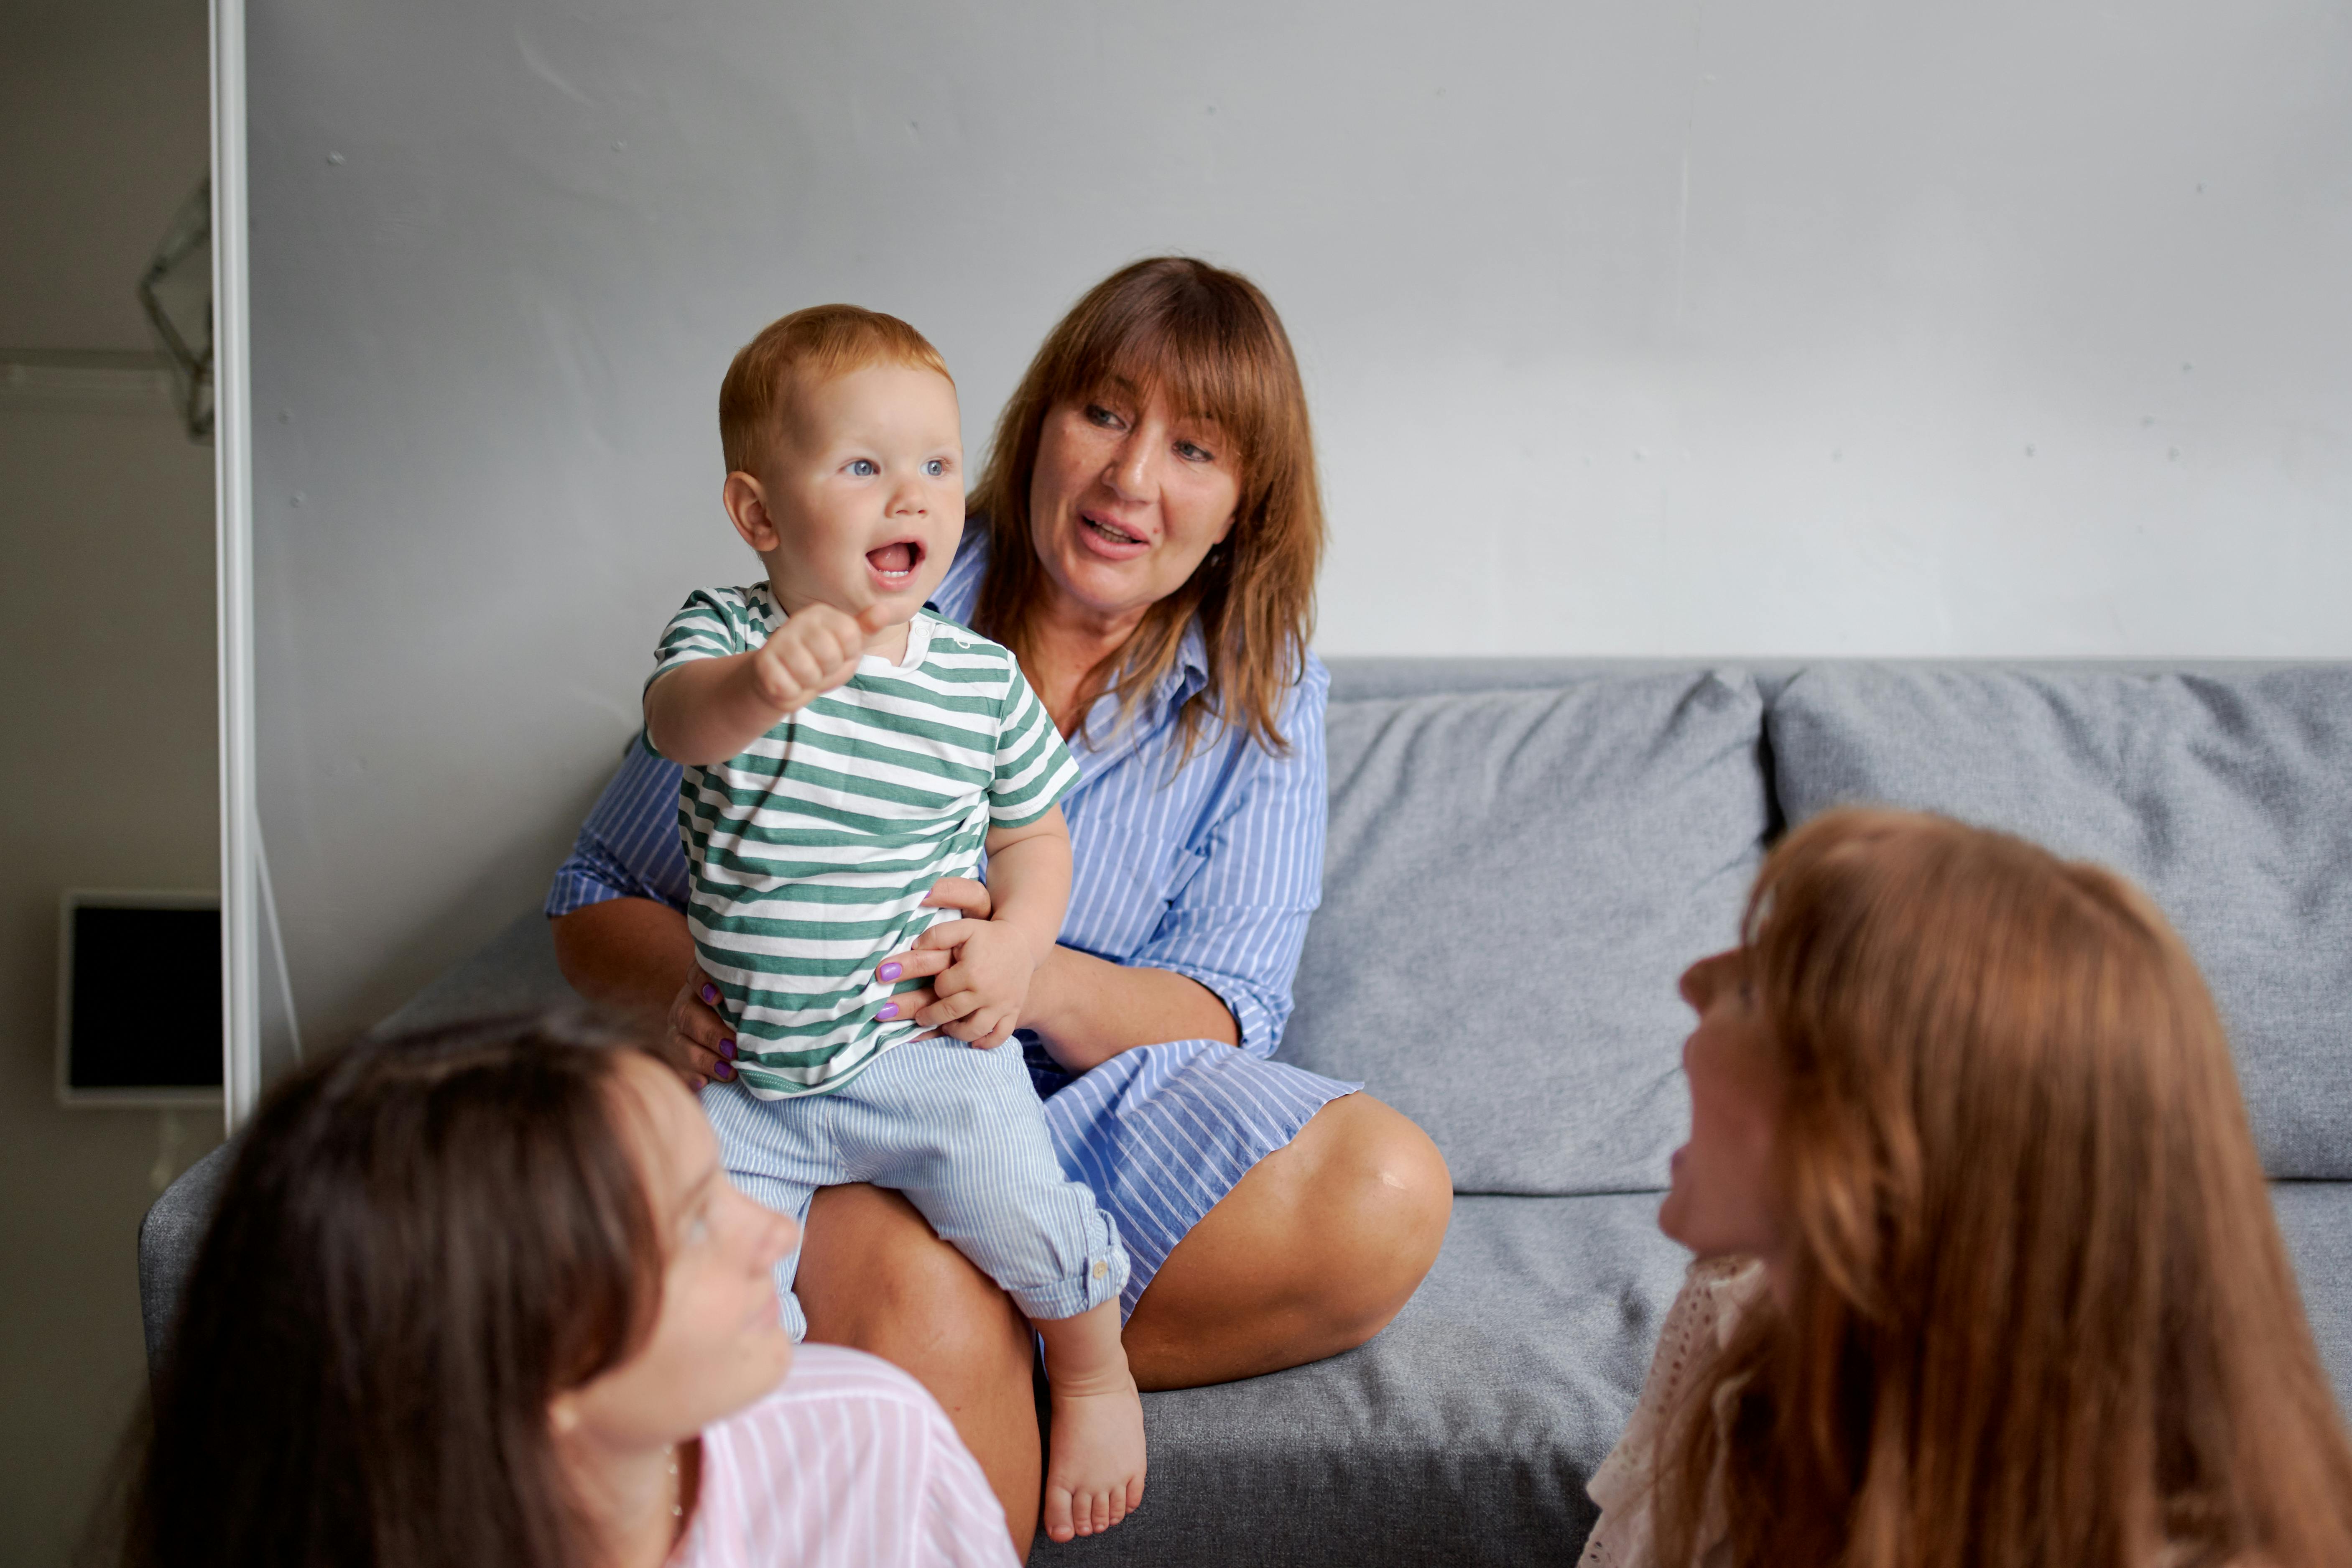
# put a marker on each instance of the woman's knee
(1371, 1206)
(1395, 1192)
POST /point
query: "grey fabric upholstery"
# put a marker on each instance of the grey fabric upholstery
(2228, 798)
(168, 1240)
(1512, 881)
(2315, 1217)
(1463, 1434)
(515, 972)
(1466, 1431)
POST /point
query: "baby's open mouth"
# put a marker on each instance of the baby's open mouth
(897, 558)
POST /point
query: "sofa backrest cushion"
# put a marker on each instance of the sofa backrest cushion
(1513, 880)
(2228, 796)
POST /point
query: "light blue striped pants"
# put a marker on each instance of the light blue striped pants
(962, 1134)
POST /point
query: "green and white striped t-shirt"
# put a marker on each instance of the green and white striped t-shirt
(811, 851)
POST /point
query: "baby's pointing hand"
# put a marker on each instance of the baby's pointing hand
(815, 650)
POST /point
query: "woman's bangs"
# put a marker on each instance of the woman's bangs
(1200, 367)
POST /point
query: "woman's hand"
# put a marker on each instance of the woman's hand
(696, 1040)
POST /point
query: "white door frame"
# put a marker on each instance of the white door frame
(233, 498)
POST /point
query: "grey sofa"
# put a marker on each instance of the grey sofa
(1523, 856)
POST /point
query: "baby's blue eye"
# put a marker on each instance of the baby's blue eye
(863, 468)
(935, 468)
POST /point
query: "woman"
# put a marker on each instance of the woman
(1987, 1269)
(485, 1296)
(1146, 538)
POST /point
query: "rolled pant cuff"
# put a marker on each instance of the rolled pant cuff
(1103, 1277)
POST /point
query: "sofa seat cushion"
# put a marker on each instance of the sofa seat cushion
(1463, 1434)
(2228, 795)
(1513, 882)
(1466, 1432)
(2315, 1218)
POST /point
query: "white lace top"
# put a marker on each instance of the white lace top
(1699, 1327)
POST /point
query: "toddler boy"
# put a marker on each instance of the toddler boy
(844, 749)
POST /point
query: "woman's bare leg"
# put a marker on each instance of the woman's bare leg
(1311, 1254)
(874, 1276)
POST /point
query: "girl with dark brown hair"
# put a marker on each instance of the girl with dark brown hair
(1986, 1272)
(483, 1295)
(1146, 538)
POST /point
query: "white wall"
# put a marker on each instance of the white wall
(1645, 327)
(107, 762)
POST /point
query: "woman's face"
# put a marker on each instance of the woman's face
(720, 1342)
(1126, 501)
(1723, 1198)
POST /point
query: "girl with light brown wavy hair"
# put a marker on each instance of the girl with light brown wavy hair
(1987, 1269)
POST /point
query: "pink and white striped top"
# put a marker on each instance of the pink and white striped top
(848, 1462)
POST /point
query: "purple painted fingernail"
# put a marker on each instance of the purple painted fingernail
(726, 1050)
(889, 1010)
(711, 993)
(889, 972)
(725, 1070)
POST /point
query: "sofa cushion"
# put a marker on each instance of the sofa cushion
(2315, 1220)
(2228, 795)
(1463, 1434)
(1466, 1432)
(170, 1236)
(514, 972)
(1513, 882)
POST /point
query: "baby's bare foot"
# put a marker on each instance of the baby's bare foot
(1094, 1475)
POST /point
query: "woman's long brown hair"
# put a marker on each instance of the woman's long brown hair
(1208, 341)
(420, 1243)
(2036, 1310)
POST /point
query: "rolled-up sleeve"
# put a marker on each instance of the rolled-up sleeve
(1237, 924)
(628, 847)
